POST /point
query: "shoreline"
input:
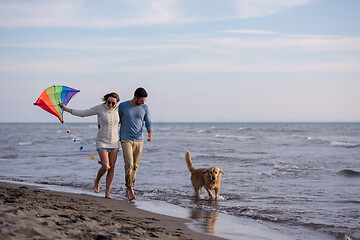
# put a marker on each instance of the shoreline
(31, 212)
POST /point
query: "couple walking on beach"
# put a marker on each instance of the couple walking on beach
(131, 115)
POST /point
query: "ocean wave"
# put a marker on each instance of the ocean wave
(338, 232)
(204, 131)
(277, 164)
(11, 156)
(9, 148)
(269, 215)
(213, 156)
(345, 144)
(276, 216)
(278, 168)
(312, 139)
(244, 129)
(41, 142)
(327, 141)
(234, 137)
(349, 173)
(25, 143)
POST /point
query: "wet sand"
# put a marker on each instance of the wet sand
(29, 212)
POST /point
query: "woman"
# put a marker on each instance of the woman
(107, 140)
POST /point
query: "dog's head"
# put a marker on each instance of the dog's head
(214, 173)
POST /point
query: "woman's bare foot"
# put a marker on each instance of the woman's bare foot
(96, 186)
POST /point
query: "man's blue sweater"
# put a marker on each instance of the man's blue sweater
(132, 120)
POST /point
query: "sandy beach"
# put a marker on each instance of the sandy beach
(29, 212)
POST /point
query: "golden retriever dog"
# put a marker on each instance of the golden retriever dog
(208, 178)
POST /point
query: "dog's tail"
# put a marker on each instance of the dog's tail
(189, 162)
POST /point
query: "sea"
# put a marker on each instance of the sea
(301, 180)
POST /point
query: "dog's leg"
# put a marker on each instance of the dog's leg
(197, 192)
(217, 190)
(210, 194)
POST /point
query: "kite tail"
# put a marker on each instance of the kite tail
(81, 147)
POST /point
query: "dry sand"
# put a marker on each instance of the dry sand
(28, 212)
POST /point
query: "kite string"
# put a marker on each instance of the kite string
(67, 129)
(81, 147)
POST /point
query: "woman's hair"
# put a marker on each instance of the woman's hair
(112, 94)
(140, 93)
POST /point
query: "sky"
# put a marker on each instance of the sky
(200, 61)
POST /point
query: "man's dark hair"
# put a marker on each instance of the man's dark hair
(140, 93)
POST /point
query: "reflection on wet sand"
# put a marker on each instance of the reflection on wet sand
(206, 219)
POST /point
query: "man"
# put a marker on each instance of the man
(133, 114)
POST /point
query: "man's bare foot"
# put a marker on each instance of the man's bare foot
(127, 193)
(132, 194)
(108, 196)
(96, 186)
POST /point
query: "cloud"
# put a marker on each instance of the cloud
(38, 13)
(104, 44)
(301, 44)
(114, 65)
(251, 31)
(262, 8)
(348, 64)
(253, 39)
(87, 14)
(297, 42)
(161, 11)
(241, 50)
(111, 13)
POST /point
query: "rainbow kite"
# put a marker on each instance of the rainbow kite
(51, 97)
(49, 101)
